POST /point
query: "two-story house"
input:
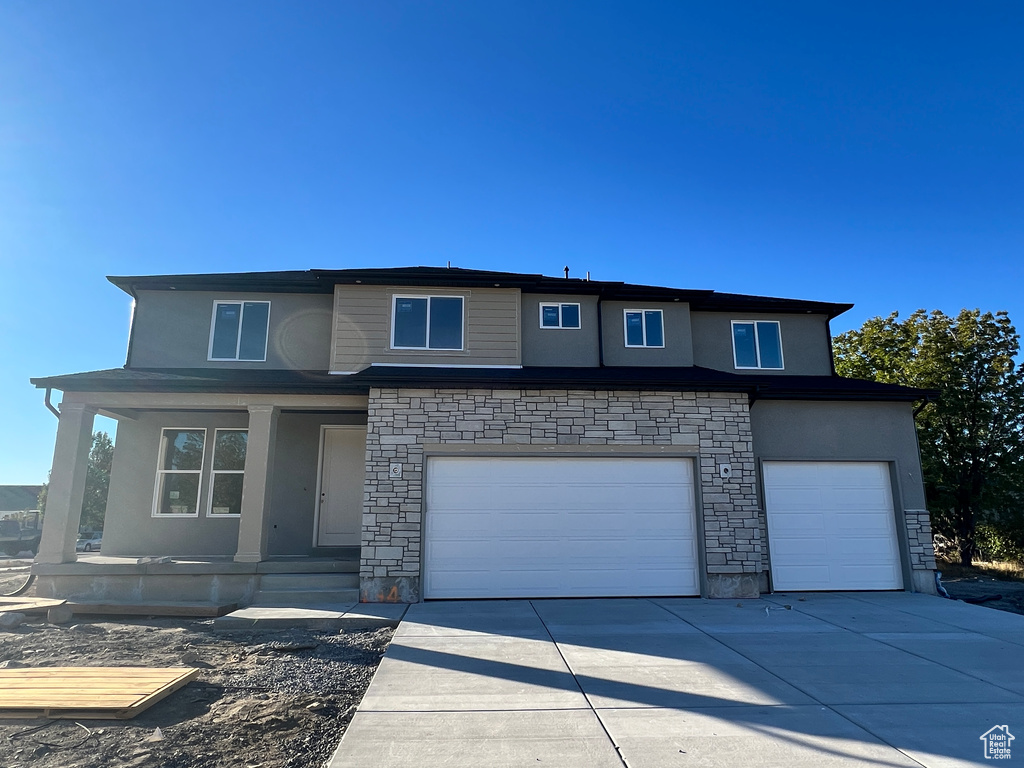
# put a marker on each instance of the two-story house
(471, 434)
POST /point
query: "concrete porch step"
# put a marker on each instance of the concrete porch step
(308, 581)
(319, 617)
(301, 589)
(310, 565)
(295, 597)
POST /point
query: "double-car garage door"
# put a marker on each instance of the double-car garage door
(560, 527)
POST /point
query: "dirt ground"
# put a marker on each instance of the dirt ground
(264, 698)
(969, 583)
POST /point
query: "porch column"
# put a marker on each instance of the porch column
(256, 484)
(66, 491)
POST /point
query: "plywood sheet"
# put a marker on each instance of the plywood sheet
(87, 692)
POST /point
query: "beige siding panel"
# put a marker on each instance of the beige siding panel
(361, 333)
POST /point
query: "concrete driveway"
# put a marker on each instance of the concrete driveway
(873, 679)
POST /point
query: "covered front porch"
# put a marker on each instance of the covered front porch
(101, 578)
(209, 527)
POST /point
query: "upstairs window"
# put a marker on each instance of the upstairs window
(228, 471)
(559, 315)
(427, 322)
(239, 330)
(757, 344)
(644, 328)
(178, 473)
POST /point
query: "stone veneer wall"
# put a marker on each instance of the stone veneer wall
(401, 422)
(919, 537)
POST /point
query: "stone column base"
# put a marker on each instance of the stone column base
(732, 585)
(389, 589)
(923, 582)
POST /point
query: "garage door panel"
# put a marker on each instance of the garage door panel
(531, 527)
(859, 522)
(846, 540)
(854, 499)
(798, 524)
(872, 577)
(805, 547)
(875, 550)
(795, 498)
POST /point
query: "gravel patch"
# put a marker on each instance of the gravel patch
(264, 698)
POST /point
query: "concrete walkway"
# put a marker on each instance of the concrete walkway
(865, 679)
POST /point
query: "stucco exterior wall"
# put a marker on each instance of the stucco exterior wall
(362, 328)
(577, 347)
(129, 527)
(172, 330)
(678, 349)
(805, 430)
(805, 343)
(405, 424)
(296, 464)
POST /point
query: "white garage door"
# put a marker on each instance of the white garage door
(559, 527)
(831, 526)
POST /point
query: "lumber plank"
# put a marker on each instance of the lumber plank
(28, 604)
(196, 610)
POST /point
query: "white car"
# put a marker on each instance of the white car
(89, 543)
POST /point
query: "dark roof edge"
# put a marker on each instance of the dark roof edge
(323, 281)
(321, 382)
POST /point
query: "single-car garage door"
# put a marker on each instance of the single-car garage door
(831, 526)
(559, 527)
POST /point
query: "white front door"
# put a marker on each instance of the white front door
(831, 525)
(560, 527)
(340, 513)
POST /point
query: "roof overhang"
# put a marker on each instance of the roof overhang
(687, 379)
(324, 280)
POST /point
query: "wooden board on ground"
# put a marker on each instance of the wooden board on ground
(198, 610)
(95, 693)
(28, 604)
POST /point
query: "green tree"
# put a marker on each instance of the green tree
(971, 434)
(97, 483)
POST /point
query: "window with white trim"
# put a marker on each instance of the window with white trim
(228, 472)
(238, 330)
(644, 327)
(427, 322)
(757, 344)
(559, 315)
(178, 473)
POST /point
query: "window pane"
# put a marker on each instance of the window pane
(183, 449)
(549, 317)
(570, 316)
(446, 323)
(254, 331)
(227, 494)
(655, 333)
(634, 329)
(179, 494)
(229, 450)
(410, 322)
(769, 345)
(225, 330)
(743, 339)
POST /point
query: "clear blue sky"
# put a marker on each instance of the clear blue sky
(858, 151)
